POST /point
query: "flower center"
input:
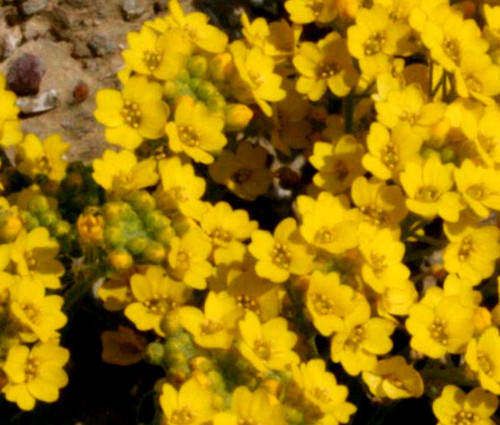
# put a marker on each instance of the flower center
(323, 304)
(159, 306)
(355, 338)
(438, 331)
(210, 326)
(377, 215)
(476, 191)
(262, 349)
(248, 303)
(464, 417)
(466, 248)
(151, 59)
(131, 114)
(378, 263)
(325, 236)
(183, 258)
(390, 156)
(427, 194)
(242, 175)
(221, 235)
(327, 70)
(485, 364)
(188, 136)
(451, 48)
(321, 394)
(374, 44)
(31, 369)
(281, 255)
(182, 416)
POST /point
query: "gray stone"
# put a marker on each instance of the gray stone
(101, 45)
(12, 41)
(30, 7)
(42, 103)
(132, 9)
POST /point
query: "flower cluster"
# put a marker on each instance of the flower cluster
(314, 203)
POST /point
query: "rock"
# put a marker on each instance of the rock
(132, 9)
(101, 45)
(30, 7)
(12, 41)
(25, 75)
(36, 27)
(81, 50)
(41, 103)
(80, 92)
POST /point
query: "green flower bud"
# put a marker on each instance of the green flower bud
(38, 204)
(142, 200)
(154, 253)
(447, 155)
(197, 65)
(48, 218)
(137, 245)
(155, 353)
(206, 89)
(114, 236)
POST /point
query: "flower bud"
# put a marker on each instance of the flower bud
(10, 227)
(154, 253)
(114, 236)
(48, 218)
(155, 353)
(38, 204)
(120, 259)
(221, 67)
(237, 116)
(197, 65)
(90, 228)
(137, 245)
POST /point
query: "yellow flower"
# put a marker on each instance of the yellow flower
(196, 131)
(389, 152)
(180, 188)
(188, 258)
(256, 71)
(35, 375)
(162, 56)
(338, 164)
(47, 157)
(157, 299)
(244, 173)
(10, 134)
(395, 379)
(326, 64)
(472, 251)
(196, 29)
(121, 171)
(191, 404)
(306, 11)
(409, 105)
(329, 302)
(383, 261)
(134, 114)
(487, 141)
(267, 346)
(483, 357)
(38, 315)
(450, 38)
(479, 186)
(34, 254)
(215, 326)
(478, 77)
(440, 324)
(380, 205)
(428, 186)
(281, 254)
(362, 338)
(327, 223)
(320, 389)
(252, 408)
(453, 406)
(90, 226)
(228, 228)
(397, 300)
(375, 39)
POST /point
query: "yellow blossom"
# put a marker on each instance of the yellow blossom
(34, 254)
(472, 250)
(47, 157)
(327, 223)
(256, 71)
(228, 228)
(35, 374)
(394, 378)
(321, 390)
(267, 346)
(483, 357)
(307, 11)
(10, 133)
(134, 114)
(39, 315)
(244, 172)
(251, 407)
(215, 326)
(429, 189)
(383, 261)
(196, 131)
(326, 64)
(487, 141)
(479, 186)
(453, 406)
(122, 171)
(180, 189)
(191, 404)
(281, 254)
(389, 152)
(188, 258)
(478, 77)
(157, 299)
(440, 324)
(362, 338)
(338, 164)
